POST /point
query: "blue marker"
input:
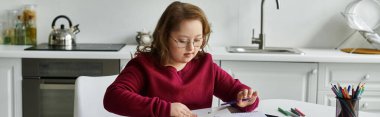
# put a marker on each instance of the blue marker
(348, 89)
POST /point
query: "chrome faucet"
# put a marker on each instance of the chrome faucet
(261, 39)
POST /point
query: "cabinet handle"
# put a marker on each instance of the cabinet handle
(365, 105)
(314, 71)
(366, 77)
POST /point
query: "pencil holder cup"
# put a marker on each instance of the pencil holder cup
(347, 107)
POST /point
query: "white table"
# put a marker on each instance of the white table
(270, 106)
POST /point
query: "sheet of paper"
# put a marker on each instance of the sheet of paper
(213, 112)
(248, 114)
(201, 111)
(224, 112)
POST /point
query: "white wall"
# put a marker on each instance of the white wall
(298, 23)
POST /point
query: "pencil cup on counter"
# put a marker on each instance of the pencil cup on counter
(347, 99)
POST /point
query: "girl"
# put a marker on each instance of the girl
(175, 75)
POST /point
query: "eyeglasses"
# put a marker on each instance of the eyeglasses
(182, 43)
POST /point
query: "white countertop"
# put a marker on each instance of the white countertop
(310, 55)
(219, 53)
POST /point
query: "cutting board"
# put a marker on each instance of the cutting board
(361, 50)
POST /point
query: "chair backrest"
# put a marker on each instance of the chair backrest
(89, 93)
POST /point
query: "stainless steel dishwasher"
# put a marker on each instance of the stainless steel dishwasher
(48, 84)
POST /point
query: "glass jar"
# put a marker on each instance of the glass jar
(29, 20)
(1, 33)
(10, 26)
(20, 32)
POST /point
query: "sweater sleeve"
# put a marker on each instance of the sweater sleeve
(226, 88)
(123, 96)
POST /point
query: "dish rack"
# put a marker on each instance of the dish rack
(361, 27)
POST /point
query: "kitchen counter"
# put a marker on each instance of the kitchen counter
(218, 52)
(310, 55)
(17, 51)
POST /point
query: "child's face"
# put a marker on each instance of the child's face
(185, 43)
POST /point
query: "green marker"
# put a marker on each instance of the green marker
(283, 111)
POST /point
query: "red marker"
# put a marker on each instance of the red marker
(299, 111)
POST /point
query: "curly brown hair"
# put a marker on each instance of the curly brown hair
(170, 21)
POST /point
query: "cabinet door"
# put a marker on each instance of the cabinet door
(7, 75)
(277, 80)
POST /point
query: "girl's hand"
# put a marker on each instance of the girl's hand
(180, 110)
(246, 94)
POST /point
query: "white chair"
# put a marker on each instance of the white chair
(89, 93)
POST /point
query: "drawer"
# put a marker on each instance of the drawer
(370, 101)
(349, 73)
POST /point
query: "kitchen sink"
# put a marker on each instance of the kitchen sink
(267, 50)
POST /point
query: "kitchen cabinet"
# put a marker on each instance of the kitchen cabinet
(10, 85)
(350, 73)
(277, 80)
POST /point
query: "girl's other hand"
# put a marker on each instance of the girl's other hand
(180, 110)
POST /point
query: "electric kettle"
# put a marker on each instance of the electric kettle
(63, 36)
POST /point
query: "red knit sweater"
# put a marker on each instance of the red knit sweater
(145, 89)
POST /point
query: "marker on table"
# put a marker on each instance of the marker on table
(299, 111)
(283, 111)
(295, 112)
(233, 102)
(287, 113)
